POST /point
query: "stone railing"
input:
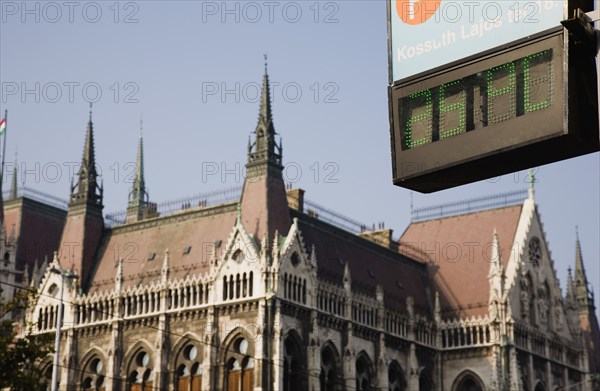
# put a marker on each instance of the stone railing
(467, 333)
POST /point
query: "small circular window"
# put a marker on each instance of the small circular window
(191, 352)
(53, 290)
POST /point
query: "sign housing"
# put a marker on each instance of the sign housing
(526, 103)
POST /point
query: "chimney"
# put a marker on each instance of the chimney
(295, 199)
(382, 237)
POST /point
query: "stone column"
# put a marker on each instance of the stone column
(161, 349)
(313, 353)
(531, 372)
(413, 369)
(348, 359)
(210, 363)
(277, 347)
(381, 364)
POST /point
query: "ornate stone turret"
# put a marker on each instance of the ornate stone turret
(264, 206)
(587, 311)
(87, 190)
(585, 298)
(496, 273)
(139, 206)
(85, 223)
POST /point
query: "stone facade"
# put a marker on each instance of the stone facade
(261, 294)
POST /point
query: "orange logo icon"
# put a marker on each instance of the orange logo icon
(416, 11)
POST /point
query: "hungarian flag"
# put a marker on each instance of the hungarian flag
(2, 126)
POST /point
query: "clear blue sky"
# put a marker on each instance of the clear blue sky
(178, 57)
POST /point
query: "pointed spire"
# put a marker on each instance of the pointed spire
(119, 275)
(165, 267)
(584, 297)
(87, 190)
(264, 205)
(496, 273)
(13, 188)
(531, 176)
(347, 277)
(495, 262)
(437, 310)
(265, 149)
(139, 194)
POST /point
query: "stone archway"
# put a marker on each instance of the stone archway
(239, 364)
(396, 378)
(188, 365)
(468, 381)
(294, 363)
(331, 369)
(365, 372)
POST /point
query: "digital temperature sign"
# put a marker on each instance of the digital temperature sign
(475, 102)
(529, 103)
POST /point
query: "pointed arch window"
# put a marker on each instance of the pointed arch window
(141, 376)
(94, 375)
(239, 367)
(364, 373)
(330, 377)
(396, 379)
(294, 365)
(189, 369)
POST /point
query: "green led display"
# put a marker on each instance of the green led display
(477, 101)
(452, 99)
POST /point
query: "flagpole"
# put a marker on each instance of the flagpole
(4, 143)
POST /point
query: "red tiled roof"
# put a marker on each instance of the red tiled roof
(459, 249)
(399, 276)
(198, 228)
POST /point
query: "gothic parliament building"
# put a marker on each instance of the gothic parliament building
(260, 291)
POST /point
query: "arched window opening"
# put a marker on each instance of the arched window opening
(304, 291)
(250, 282)
(294, 363)
(239, 368)
(141, 376)
(364, 373)
(189, 369)
(396, 378)
(469, 384)
(424, 383)
(468, 381)
(329, 378)
(46, 381)
(94, 375)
